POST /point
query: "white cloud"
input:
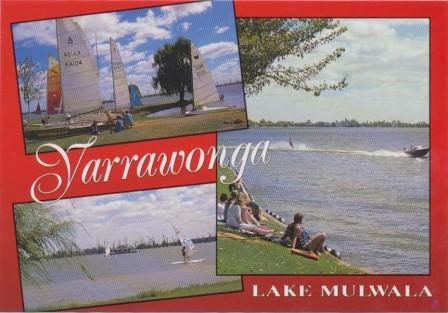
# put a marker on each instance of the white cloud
(142, 214)
(112, 25)
(218, 49)
(388, 77)
(173, 13)
(42, 32)
(221, 30)
(227, 72)
(185, 26)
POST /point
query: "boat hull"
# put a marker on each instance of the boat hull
(60, 132)
(417, 153)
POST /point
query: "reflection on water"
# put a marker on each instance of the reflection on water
(118, 276)
(355, 184)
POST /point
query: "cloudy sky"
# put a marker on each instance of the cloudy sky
(387, 63)
(142, 214)
(140, 33)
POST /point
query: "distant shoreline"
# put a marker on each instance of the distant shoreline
(337, 124)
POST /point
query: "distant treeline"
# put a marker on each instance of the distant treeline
(149, 243)
(342, 123)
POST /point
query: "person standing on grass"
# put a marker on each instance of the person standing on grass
(300, 238)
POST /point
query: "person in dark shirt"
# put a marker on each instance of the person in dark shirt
(300, 239)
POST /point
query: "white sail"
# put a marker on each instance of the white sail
(204, 88)
(120, 82)
(80, 78)
(185, 242)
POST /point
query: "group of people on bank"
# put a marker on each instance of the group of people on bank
(239, 212)
(123, 121)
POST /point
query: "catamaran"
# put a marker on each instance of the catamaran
(187, 248)
(135, 95)
(119, 79)
(204, 87)
(77, 78)
(80, 77)
(54, 97)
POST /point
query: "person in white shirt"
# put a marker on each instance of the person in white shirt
(221, 206)
(234, 218)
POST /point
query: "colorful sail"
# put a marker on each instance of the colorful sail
(54, 99)
(135, 95)
(80, 77)
(120, 81)
(204, 88)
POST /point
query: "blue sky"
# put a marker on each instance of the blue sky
(387, 64)
(139, 33)
(141, 214)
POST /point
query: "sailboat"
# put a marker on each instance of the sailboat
(54, 97)
(187, 247)
(135, 95)
(120, 82)
(79, 84)
(204, 87)
(80, 77)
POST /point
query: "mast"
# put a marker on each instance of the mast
(60, 72)
(192, 78)
(113, 78)
(96, 48)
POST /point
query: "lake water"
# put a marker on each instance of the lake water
(119, 276)
(355, 184)
(233, 96)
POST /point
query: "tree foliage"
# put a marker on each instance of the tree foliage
(173, 68)
(28, 77)
(40, 233)
(264, 41)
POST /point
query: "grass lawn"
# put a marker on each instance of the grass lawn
(203, 289)
(152, 128)
(251, 255)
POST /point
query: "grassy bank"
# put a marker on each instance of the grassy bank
(239, 254)
(153, 294)
(152, 128)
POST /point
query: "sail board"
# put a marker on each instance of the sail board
(54, 99)
(185, 242)
(135, 95)
(80, 78)
(204, 88)
(120, 82)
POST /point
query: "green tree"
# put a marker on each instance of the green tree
(264, 41)
(28, 77)
(40, 233)
(173, 68)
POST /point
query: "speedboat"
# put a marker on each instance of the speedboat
(417, 151)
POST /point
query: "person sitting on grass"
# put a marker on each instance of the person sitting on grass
(94, 128)
(119, 125)
(234, 218)
(221, 206)
(300, 239)
(129, 118)
(230, 201)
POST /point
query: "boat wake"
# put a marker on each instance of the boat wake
(283, 146)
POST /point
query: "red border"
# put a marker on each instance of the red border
(15, 167)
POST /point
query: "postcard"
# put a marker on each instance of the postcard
(345, 183)
(223, 156)
(116, 248)
(129, 75)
